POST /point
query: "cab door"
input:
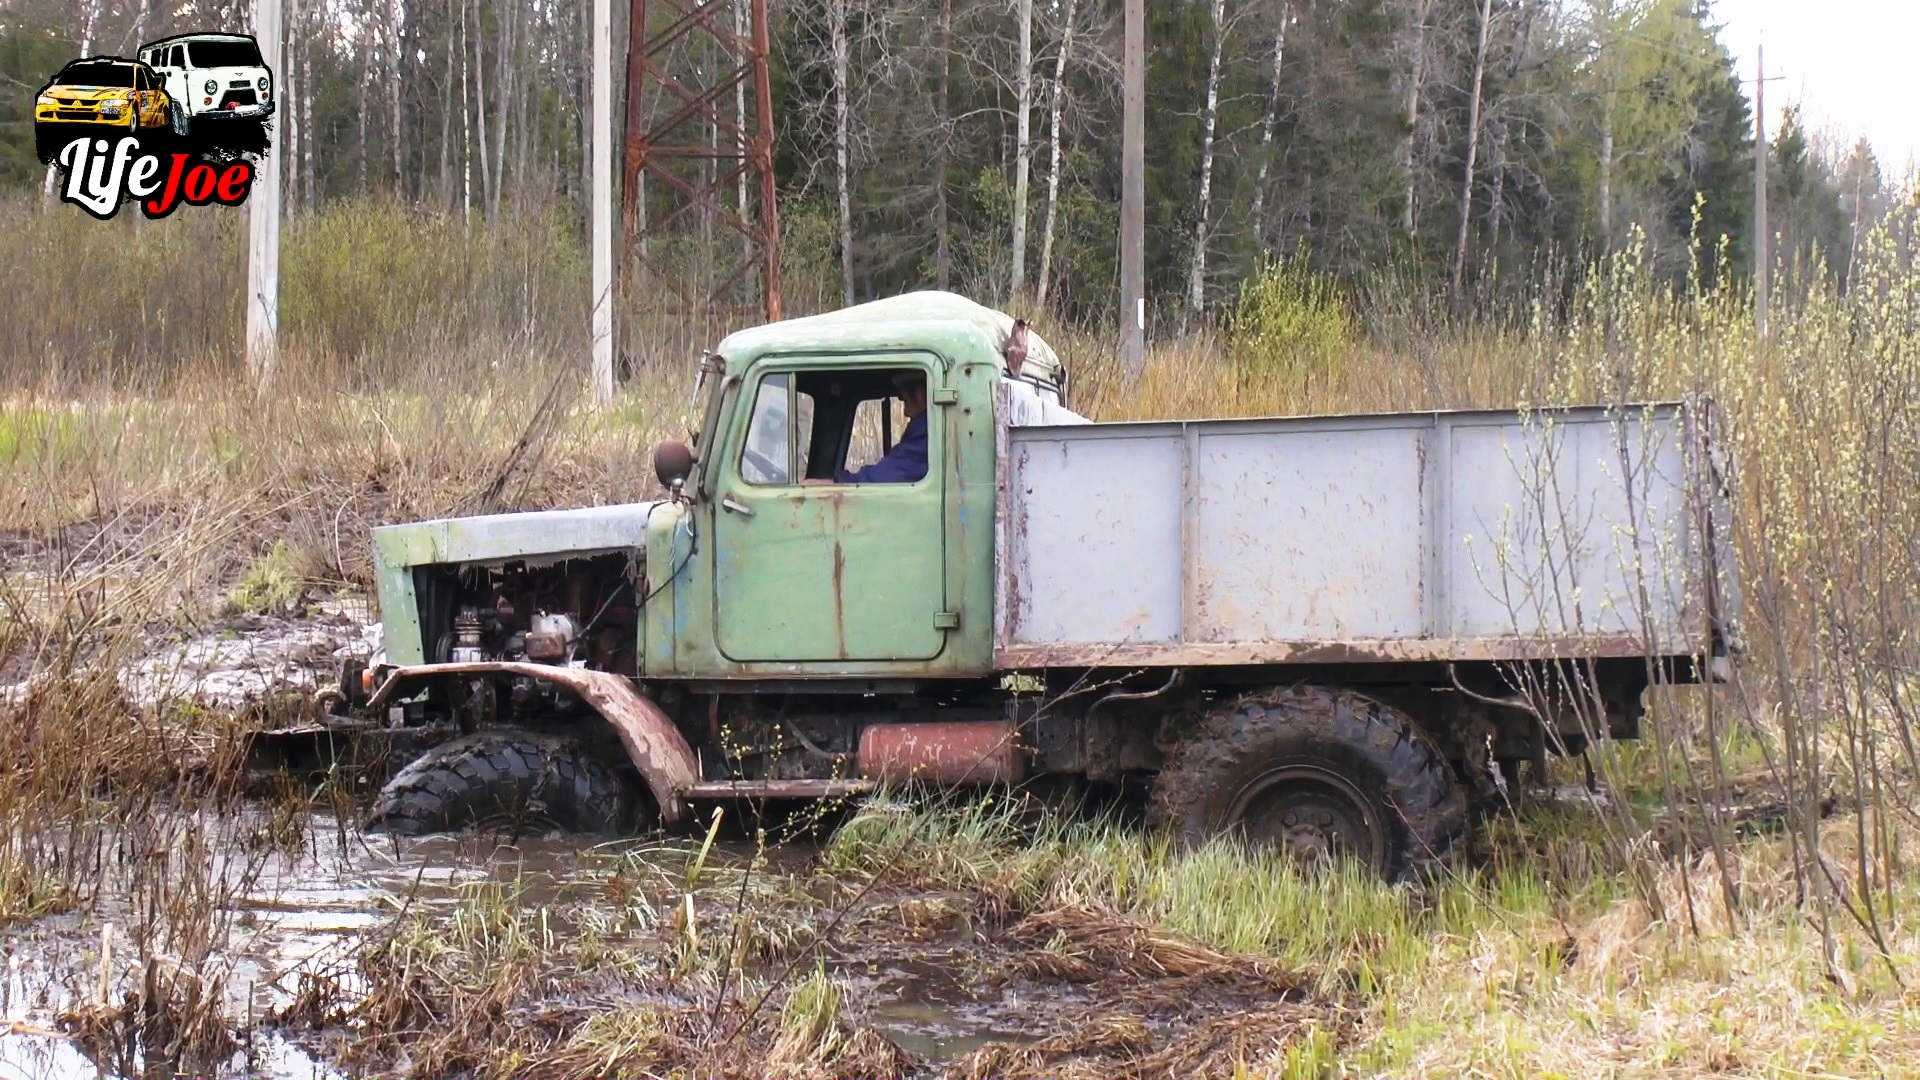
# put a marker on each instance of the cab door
(831, 573)
(179, 87)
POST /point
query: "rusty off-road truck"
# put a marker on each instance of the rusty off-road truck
(1332, 634)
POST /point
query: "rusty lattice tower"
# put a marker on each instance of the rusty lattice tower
(702, 225)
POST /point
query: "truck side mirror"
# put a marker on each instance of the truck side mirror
(672, 463)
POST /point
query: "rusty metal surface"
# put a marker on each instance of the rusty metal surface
(1411, 650)
(691, 65)
(658, 750)
(948, 754)
(779, 789)
(1393, 538)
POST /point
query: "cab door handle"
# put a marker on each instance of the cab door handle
(728, 502)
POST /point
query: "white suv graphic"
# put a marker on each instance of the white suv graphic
(211, 77)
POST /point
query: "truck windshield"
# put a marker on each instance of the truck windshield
(224, 54)
(95, 73)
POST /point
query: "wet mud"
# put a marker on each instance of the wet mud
(561, 933)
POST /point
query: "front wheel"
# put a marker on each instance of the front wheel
(1320, 774)
(182, 123)
(509, 779)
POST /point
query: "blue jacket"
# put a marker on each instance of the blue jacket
(903, 464)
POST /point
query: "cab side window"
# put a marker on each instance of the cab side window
(877, 424)
(836, 425)
(778, 434)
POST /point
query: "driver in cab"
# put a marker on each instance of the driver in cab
(907, 461)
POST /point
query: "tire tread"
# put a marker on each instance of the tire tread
(506, 776)
(1197, 785)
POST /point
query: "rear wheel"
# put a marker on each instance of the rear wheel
(508, 779)
(1321, 774)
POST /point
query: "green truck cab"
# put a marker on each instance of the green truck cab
(1279, 627)
(832, 580)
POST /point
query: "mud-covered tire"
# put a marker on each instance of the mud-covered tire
(511, 780)
(1289, 753)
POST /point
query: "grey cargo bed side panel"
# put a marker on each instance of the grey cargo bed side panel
(1407, 537)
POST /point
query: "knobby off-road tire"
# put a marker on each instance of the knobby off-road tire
(1319, 772)
(508, 779)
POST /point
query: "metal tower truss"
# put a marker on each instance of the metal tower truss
(702, 223)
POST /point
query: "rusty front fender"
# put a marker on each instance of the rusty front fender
(658, 750)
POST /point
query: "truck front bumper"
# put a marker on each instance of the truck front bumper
(258, 111)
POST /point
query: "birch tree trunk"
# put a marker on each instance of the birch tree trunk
(292, 87)
(1053, 164)
(401, 77)
(1023, 150)
(1497, 174)
(307, 178)
(480, 109)
(503, 84)
(466, 126)
(137, 33)
(1473, 147)
(942, 225)
(743, 29)
(842, 133)
(1604, 17)
(1267, 123)
(446, 129)
(366, 106)
(1606, 174)
(1416, 76)
(1197, 265)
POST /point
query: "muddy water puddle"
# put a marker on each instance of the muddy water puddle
(308, 910)
(302, 912)
(935, 1011)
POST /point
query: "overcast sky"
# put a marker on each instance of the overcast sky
(1850, 63)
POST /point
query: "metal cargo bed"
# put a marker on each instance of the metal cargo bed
(1414, 537)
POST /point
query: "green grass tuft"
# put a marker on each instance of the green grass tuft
(270, 585)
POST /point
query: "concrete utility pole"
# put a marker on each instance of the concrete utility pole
(600, 217)
(263, 218)
(1133, 192)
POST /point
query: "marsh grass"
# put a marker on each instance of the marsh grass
(648, 963)
(1503, 966)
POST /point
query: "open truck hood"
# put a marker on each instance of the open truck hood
(492, 539)
(535, 538)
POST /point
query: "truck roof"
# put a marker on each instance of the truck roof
(195, 37)
(915, 320)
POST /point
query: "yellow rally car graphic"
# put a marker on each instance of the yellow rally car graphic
(95, 94)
